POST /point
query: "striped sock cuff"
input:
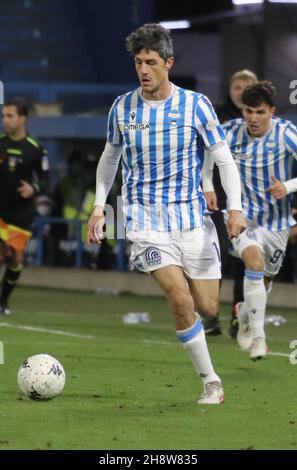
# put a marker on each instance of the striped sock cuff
(253, 275)
(187, 335)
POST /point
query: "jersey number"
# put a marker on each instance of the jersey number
(277, 256)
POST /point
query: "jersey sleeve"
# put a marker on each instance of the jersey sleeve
(114, 135)
(291, 139)
(208, 124)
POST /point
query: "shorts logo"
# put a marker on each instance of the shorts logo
(138, 263)
(152, 256)
(250, 233)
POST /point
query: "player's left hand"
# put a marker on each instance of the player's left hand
(236, 224)
(26, 190)
(277, 189)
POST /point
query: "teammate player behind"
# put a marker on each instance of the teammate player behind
(229, 109)
(160, 130)
(23, 173)
(264, 148)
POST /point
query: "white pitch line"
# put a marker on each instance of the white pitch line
(270, 353)
(76, 335)
(46, 330)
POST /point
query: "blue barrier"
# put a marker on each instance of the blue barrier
(42, 222)
(50, 92)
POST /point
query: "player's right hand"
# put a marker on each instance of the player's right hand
(236, 224)
(95, 233)
(211, 200)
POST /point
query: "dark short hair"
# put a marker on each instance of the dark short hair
(151, 36)
(258, 93)
(20, 105)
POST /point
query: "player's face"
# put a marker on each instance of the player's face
(11, 120)
(258, 119)
(152, 72)
(236, 89)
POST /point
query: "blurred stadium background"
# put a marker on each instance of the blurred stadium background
(68, 60)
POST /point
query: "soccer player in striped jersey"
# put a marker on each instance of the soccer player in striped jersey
(160, 131)
(264, 148)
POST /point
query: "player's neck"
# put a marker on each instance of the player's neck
(19, 134)
(162, 93)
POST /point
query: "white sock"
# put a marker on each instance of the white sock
(243, 312)
(194, 342)
(255, 300)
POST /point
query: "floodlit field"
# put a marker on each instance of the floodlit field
(132, 386)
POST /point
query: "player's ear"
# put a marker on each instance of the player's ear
(169, 63)
(273, 111)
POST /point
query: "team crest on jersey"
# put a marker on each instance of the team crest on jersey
(152, 256)
(237, 149)
(270, 145)
(174, 114)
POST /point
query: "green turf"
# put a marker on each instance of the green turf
(132, 386)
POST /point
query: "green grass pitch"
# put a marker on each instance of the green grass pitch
(132, 386)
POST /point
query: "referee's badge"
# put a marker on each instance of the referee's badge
(12, 163)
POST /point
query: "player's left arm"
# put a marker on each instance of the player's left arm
(218, 152)
(280, 189)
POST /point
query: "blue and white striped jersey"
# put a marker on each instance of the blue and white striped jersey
(163, 151)
(258, 159)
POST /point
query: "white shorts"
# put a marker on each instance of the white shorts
(196, 251)
(272, 244)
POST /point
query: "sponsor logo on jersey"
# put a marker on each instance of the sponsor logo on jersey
(136, 127)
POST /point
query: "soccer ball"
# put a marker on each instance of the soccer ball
(41, 377)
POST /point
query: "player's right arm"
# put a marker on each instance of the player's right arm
(105, 175)
(106, 171)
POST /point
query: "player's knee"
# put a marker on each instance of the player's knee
(256, 264)
(253, 259)
(182, 303)
(209, 308)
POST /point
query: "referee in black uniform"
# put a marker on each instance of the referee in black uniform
(23, 174)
